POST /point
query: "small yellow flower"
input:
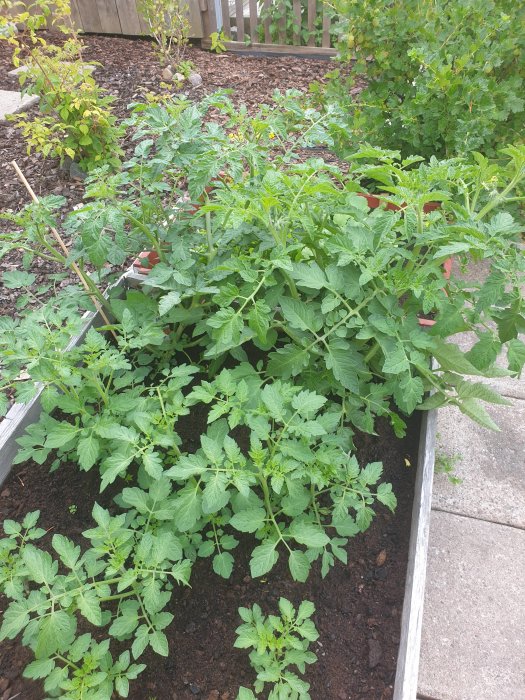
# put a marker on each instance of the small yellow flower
(272, 135)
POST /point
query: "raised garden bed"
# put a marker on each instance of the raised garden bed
(368, 612)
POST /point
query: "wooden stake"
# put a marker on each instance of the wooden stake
(65, 250)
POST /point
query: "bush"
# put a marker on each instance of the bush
(446, 77)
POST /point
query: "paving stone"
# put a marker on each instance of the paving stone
(491, 465)
(23, 69)
(473, 644)
(12, 102)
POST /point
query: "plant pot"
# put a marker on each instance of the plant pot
(145, 262)
(375, 202)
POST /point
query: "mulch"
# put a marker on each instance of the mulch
(129, 70)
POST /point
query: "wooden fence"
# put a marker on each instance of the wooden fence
(122, 17)
(300, 27)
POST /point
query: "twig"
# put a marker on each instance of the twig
(65, 250)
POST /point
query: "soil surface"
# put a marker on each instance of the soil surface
(129, 70)
(358, 606)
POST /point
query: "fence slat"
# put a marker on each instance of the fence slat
(297, 22)
(266, 10)
(90, 17)
(226, 24)
(129, 17)
(326, 29)
(75, 15)
(312, 9)
(107, 11)
(282, 22)
(254, 21)
(239, 19)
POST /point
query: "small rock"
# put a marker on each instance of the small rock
(195, 689)
(167, 73)
(76, 173)
(375, 653)
(5, 493)
(381, 558)
(179, 77)
(195, 79)
(213, 695)
(246, 579)
(225, 696)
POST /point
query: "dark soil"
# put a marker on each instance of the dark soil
(358, 606)
(130, 70)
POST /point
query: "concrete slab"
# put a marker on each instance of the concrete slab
(491, 465)
(473, 646)
(12, 102)
(23, 69)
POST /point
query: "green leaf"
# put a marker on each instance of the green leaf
(56, 633)
(516, 355)
(15, 618)
(215, 495)
(159, 643)
(15, 279)
(113, 466)
(473, 409)
(249, 520)
(310, 276)
(40, 668)
(264, 558)
(212, 449)
(60, 434)
(168, 301)
(344, 364)
(187, 508)
(89, 606)
(386, 496)
(259, 320)
(273, 401)
(136, 498)
(371, 473)
(307, 402)
(66, 550)
(188, 466)
(468, 390)
(300, 315)
(308, 534)
(409, 393)
(152, 462)
(396, 360)
(299, 565)
(452, 359)
(245, 694)
(223, 564)
(88, 450)
(288, 361)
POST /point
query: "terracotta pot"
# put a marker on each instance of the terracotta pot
(376, 202)
(145, 261)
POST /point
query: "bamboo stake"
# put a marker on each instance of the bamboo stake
(65, 250)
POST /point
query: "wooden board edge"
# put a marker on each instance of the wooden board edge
(407, 669)
(275, 49)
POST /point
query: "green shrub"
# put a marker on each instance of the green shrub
(443, 78)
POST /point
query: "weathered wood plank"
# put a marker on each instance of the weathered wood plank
(326, 29)
(312, 11)
(275, 49)
(226, 23)
(405, 687)
(90, 18)
(266, 10)
(76, 19)
(109, 19)
(297, 22)
(254, 20)
(282, 22)
(239, 19)
(129, 17)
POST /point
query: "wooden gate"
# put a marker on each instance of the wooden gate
(296, 27)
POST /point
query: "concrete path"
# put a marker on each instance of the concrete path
(473, 639)
(12, 102)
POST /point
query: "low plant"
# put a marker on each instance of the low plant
(442, 78)
(75, 119)
(169, 26)
(279, 643)
(218, 40)
(122, 582)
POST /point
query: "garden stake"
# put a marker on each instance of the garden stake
(65, 250)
